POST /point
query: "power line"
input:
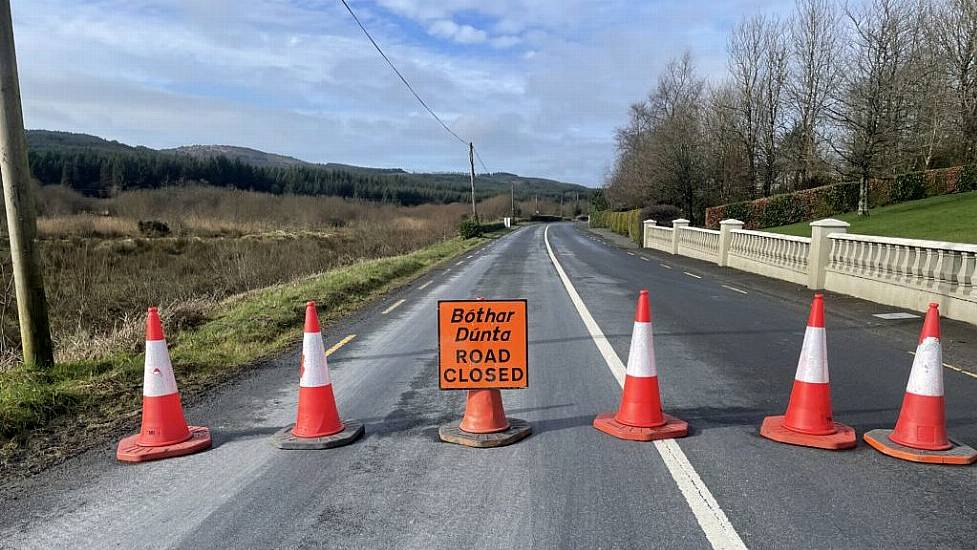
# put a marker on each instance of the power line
(402, 79)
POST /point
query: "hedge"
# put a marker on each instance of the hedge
(627, 223)
(829, 200)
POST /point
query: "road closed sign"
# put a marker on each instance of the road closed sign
(482, 344)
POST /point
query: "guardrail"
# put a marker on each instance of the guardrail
(906, 273)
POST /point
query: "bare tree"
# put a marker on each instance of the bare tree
(870, 104)
(814, 47)
(955, 35)
(773, 81)
(745, 57)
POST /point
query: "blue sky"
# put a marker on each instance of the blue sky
(538, 85)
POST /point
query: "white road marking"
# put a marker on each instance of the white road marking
(645, 259)
(460, 262)
(425, 285)
(631, 254)
(713, 521)
(394, 306)
(734, 289)
(666, 266)
(692, 275)
(951, 367)
(339, 344)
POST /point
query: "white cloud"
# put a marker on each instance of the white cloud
(462, 34)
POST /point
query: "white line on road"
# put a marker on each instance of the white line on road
(339, 344)
(425, 285)
(666, 266)
(460, 262)
(692, 275)
(631, 254)
(734, 289)
(394, 306)
(645, 259)
(713, 521)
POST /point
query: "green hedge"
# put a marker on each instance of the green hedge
(829, 200)
(627, 223)
(469, 228)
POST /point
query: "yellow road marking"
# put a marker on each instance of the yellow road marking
(951, 367)
(735, 289)
(692, 275)
(339, 344)
(394, 306)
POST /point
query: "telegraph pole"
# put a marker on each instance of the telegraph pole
(471, 162)
(35, 332)
(512, 199)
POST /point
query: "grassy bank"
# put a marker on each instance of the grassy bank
(945, 218)
(47, 414)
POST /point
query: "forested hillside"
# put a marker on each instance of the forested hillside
(97, 167)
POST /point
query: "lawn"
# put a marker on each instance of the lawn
(945, 218)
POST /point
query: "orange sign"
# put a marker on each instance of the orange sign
(482, 344)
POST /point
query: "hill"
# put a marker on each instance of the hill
(98, 167)
(943, 218)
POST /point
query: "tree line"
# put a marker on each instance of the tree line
(853, 92)
(101, 173)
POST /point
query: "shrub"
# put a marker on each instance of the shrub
(469, 228)
(909, 187)
(153, 228)
(544, 218)
(661, 213)
(968, 178)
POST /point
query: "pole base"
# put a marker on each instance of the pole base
(773, 428)
(285, 439)
(957, 454)
(671, 429)
(517, 430)
(130, 451)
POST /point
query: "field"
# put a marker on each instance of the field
(945, 218)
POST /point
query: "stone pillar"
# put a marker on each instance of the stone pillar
(726, 228)
(677, 225)
(644, 232)
(817, 260)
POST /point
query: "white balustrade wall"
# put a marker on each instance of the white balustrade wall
(696, 242)
(905, 273)
(770, 254)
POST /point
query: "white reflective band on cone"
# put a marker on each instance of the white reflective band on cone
(926, 378)
(641, 357)
(158, 377)
(315, 371)
(812, 366)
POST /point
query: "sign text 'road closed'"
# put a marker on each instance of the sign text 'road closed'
(482, 344)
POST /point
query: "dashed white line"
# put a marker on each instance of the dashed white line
(339, 344)
(666, 266)
(425, 285)
(460, 262)
(734, 289)
(645, 259)
(692, 275)
(631, 254)
(713, 521)
(394, 306)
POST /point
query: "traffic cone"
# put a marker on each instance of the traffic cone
(484, 413)
(640, 416)
(317, 424)
(164, 431)
(808, 420)
(920, 433)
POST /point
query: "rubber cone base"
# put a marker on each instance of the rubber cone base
(130, 451)
(773, 428)
(285, 439)
(957, 454)
(671, 429)
(517, 430)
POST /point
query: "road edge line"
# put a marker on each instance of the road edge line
(715, 525)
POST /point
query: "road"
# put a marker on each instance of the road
(726, 344)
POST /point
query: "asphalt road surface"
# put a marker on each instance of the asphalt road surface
(726, 343)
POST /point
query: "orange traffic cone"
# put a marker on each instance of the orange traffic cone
(808, 420)
(920, 434)
(484, 413)
(640, 417)
(164, 430)
(317, 424)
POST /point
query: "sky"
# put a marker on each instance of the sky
(539, 85)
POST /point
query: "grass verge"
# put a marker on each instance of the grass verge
(49, 414)
(944, 218)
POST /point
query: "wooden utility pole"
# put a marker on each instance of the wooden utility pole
(512, 199)
(561, 203)
(537, 202)
(35, 332)
(471, 161)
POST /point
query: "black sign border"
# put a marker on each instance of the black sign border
(438, 317)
